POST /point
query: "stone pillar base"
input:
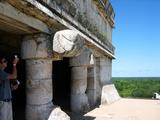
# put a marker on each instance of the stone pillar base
(79, 103)
(39, 112)
(109, 94)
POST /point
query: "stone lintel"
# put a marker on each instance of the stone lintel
(40, 12)
(21, 22)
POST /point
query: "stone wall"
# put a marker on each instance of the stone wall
(105, 70)
(87, 14)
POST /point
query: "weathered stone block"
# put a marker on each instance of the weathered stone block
(109, 94)
(58, 114)
(68, 43)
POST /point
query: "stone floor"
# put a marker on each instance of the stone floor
(125, 109)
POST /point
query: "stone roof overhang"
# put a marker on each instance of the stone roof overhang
(58, 22)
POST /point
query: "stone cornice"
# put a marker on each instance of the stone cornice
(106, 10)
(58, 22)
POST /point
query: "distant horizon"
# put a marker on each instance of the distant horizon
(134, 77)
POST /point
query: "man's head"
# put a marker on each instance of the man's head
(3, 62)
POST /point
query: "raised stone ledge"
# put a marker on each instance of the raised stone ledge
(109, 94)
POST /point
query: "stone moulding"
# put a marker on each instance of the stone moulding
(68, 43)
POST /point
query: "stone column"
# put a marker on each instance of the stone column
(36, 52)
(79, 99)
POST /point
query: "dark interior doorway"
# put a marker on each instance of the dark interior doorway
(61, 84)
(10, 45)
(19, 96)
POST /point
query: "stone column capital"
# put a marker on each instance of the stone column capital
(86, 58)
(36, 46)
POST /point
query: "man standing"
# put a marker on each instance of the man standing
(5, 89)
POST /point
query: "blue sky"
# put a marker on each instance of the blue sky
(136, 38)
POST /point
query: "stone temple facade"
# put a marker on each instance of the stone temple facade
(66, 55)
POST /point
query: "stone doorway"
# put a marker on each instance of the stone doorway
(61, 84)
(9, 45)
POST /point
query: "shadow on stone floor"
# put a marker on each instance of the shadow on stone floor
(81, 117)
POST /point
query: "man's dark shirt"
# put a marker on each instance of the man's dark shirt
(5, 89)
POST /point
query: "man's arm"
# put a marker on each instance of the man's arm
(13, 75)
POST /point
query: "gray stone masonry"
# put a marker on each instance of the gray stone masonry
(35, 50)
